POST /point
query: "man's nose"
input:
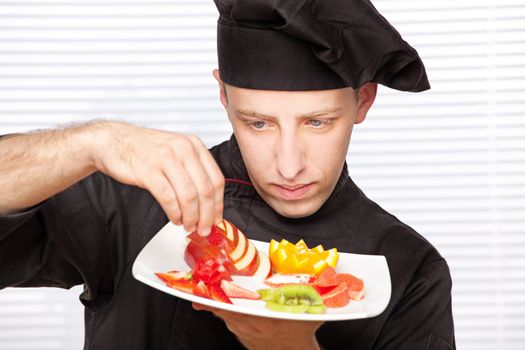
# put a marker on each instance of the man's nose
(290, 156)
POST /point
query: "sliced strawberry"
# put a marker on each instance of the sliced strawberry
(233, 290)
(182, 284)
(179, 274)
(201, 290)
(210, 272)
(216, 236)
(218, 294)
(170, 277)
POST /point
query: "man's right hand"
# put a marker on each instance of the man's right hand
(176, 169)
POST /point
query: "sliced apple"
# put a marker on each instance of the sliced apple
(222, 225)
(230, 230)
(231, 248)
(264, 268)
(241, 247)
(247, 258)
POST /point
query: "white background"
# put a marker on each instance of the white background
(449, 162)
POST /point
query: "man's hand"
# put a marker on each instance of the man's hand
(267, 333)
(177, 169)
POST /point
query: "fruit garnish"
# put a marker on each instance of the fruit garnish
(235, 291)
(231, 248)
(356, 286)
(338, 289)
(337, 297)
(293, 298)
(201, 290)
(218, 294)
(278, 280)
(289, 258)
(210, 272)
(182, 284)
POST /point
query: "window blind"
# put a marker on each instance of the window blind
(450, 162)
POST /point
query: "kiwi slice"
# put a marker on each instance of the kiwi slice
(296, 309)
(267, 294)
(293, 298)
(316, 309)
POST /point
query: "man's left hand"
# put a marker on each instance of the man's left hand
(268, 333)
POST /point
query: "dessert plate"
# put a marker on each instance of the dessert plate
(165, 252)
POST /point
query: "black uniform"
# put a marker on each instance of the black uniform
(91, 233)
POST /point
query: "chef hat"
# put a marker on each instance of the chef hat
(313, 45)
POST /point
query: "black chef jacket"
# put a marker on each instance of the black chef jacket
(91, 233)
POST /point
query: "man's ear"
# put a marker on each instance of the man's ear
(222, 88)
(367, 95)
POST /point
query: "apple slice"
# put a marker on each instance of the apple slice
(247, 258)
(241, 248)
(264, 268)
(231, 232)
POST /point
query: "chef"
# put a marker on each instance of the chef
(78, 204)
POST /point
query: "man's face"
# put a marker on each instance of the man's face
(293, 143)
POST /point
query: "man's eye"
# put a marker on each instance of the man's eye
(258, 124)
(316, 123)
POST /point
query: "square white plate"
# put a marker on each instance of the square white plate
(165, 252)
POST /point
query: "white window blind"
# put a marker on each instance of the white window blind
(449, 162)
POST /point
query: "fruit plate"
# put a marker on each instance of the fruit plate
(165, 252)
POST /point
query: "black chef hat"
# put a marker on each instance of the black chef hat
(313, 45)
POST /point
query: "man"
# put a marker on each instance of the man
(79, 204)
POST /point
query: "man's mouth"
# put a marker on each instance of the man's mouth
(293, 192)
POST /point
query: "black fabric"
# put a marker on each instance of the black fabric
(313, 45)
(92, 232)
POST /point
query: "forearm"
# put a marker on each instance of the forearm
(38, 165)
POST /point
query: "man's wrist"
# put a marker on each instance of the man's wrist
(95, 138)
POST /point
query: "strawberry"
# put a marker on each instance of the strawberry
(216, 236)
(210, 272)
(218, 294)
(173, 276)
(201, 290)
(234, 291)
(178, 274)
(182, 284)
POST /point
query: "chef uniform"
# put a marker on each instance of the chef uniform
(91, 233)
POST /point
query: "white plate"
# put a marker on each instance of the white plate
(165, 252)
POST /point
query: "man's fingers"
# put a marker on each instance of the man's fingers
(205, 188)
(225, 315)
(164, 193)
(187, 195)
(215, 175)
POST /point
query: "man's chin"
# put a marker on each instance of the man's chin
(295, 210)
